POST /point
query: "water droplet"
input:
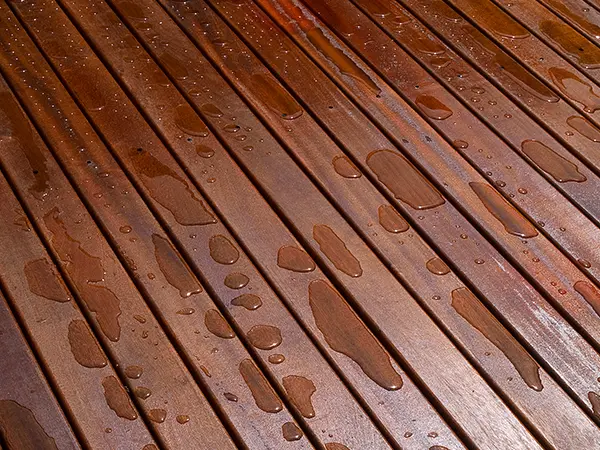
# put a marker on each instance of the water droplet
(204, 151)
(336, 251)
(134, 372)
(512, 220)
(211, 110)
(391, 220)
(572, 42)
(188, 121)
(268, 90)
(182, 419)
(471, 309)
(561, 169)
(217, 325)
(346, 168)
(590, 293)
(117, 399)
(276, 358)
(432, 107)
(403, 179)
(236, 280)
(261, 390)
(157, 415)
(170, 190)
(84, 346)
(21, 430)
(344, 332)
(186, 311)
(173, 65)
(437, 266)
(249, 301)
(291, 432)
(575, 88)
(294, 259)
(174, 268)
(142, 392)
(222, 250)
(265, 337)
(300, 390)
(85, 271)
(43, 280)
(231, 397)
(584, 127)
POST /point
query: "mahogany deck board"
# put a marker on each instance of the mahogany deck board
(299, 224)
(30, 416)
(361, 147)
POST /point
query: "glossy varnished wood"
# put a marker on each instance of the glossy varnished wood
(336, 224)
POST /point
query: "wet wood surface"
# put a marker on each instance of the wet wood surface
(271, 224)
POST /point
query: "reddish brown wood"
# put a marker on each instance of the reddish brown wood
(30, 416)
(50, 317)
(583, 240)
(361, 144)
(113, 302)
(203, 242)
(218, 188)
(517, 82)
(234, 187)
(573, 84)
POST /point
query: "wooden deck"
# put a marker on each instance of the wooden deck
(293, 224)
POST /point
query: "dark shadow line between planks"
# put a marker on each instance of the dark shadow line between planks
(180, 249)
(104, 233)
(38, 359)
(76, 298)
(506, 50)
(455, 269)
(290, 226)
(511, 97)
(440, 80)
(250, 257)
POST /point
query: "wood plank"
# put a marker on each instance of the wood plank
(30, 418)
(575, 41)
(331, 395)
(516, 81)
(170, 45)
(238, 208)
(573, 85)
(554, 262)
(428, 420)
(68, 229)
(360, 144)
(56, 325)
(482, 99)
(287, 18)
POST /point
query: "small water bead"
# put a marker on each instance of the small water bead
(276, 358)
(183, 419)
(479, 261)
(125, 229)
(231, 397)
(236, 280)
